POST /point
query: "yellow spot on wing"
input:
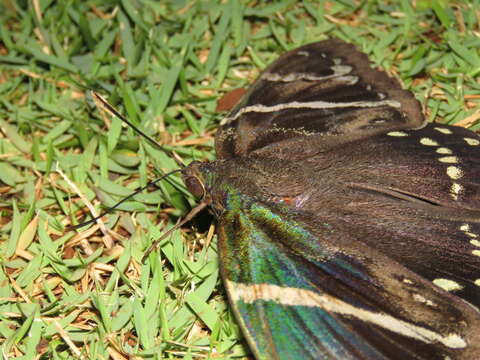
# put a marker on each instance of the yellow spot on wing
(448, 285)
(475, 243)
(422, 299)
(455, 189)
(428, 142)
(471, 141)
(454, 172)
(443, 130)
(449, 159)
(444, 150)
(397, 133)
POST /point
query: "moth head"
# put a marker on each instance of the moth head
(193, 179)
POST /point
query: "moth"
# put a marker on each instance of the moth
(348, 227)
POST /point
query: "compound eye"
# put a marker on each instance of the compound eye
(194, 185)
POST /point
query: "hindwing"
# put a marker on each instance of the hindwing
(307, 289)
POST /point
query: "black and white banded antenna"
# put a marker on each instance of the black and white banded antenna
(104, 104)
(111, 209)
(101, 102)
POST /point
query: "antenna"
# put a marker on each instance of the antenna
(110, 209)
(102, 103)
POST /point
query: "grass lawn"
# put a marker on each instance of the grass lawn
(68, 294)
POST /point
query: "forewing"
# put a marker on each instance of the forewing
(415, 196)
(303, 289)
(324, 88)
(438, 163)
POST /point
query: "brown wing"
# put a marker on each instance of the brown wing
(324, 88)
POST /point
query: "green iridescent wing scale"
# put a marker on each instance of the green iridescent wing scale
(310, 292)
